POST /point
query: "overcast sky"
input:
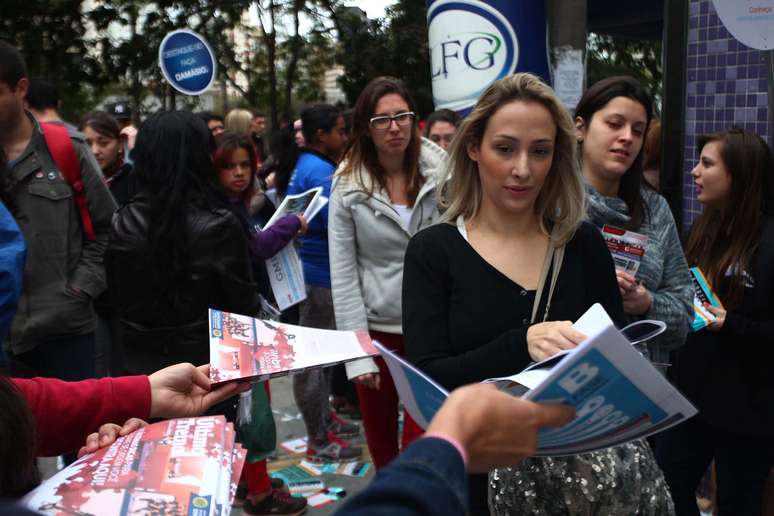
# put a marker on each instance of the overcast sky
(374, 8)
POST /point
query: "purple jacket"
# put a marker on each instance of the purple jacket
(267, 243)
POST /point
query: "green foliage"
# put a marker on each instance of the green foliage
(396, 45)
(608, 56)
(51, 37)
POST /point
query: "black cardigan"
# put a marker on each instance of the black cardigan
(729, 374)
(464, 321)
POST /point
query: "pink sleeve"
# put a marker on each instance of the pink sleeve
(64, 413)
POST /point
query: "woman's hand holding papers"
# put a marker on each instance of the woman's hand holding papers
(546, 339)
(495, 428)
(108, 433)
(720, 315)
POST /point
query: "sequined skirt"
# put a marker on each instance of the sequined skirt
(624, 480)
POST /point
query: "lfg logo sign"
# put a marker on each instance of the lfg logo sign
(472, 45)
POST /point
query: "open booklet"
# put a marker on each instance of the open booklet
(180, 466)
(617, 394)
(243, 347)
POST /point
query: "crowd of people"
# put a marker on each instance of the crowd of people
(468, 247)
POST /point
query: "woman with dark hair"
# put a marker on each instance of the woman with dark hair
(611, 121)
(104, 138)
(284, 152)
(382, 194)
(725, 370)
(176, 248)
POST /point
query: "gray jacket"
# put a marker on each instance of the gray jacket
(367, 242)
(663, 270)
(64, 270)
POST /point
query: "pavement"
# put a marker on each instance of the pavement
(291, 426)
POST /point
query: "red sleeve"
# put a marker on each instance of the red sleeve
(64, 413)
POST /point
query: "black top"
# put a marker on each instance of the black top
(464, 321)
(729, 374)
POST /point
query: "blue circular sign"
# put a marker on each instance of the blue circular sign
(187, 62)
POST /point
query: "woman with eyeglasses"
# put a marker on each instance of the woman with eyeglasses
(383, 193)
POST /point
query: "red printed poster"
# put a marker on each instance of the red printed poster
(244, 347)
(177, 467)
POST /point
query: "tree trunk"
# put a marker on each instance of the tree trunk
(290, 71)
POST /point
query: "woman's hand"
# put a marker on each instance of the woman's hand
(370, 380)
(636, 298)
(107, 435)
(546, 339)
(304, 225)
(718, 312)
(183, 390)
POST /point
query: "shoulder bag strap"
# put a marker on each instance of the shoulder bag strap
(555, 257)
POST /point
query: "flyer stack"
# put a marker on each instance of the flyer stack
(180, 466)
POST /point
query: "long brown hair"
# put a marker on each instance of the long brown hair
(595, 99)
(723, 240)
(360, 152)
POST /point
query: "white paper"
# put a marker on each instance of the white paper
(568, 75)
(617, 394)
(286, 275)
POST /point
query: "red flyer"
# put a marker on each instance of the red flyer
(244, 347)
(176, 467)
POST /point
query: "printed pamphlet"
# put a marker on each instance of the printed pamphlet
(617, 394)
(286, 274)
(702, 294)
(627, 248)
(243, 347)
(180, 466)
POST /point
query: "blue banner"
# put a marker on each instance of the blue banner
(187, 62)
(474, 43)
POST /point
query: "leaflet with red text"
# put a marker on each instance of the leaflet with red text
(245, 347)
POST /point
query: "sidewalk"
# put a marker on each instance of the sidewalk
(291, 426)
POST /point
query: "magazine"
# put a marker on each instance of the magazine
(702, 294)
(286, 274)
(180, 466)
(243, 347)
(627, 248)
(617, 394)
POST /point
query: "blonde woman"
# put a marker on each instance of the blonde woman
(239, 121)
(475, 304)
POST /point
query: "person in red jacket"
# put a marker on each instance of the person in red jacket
(48, 417)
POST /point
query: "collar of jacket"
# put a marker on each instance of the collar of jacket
(431, 161)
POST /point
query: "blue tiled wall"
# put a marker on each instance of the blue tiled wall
(726, 85)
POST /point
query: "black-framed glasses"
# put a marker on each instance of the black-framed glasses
(383, 122)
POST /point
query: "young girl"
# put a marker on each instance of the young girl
(103, 135)
(235, 163)
(475, 306)
(726, 369)
(383, 193)
(611, 121)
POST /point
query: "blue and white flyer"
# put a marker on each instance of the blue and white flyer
(617, 394)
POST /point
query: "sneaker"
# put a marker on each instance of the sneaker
(335, 450)
(241, 493)
(342, 428)
(278, 502)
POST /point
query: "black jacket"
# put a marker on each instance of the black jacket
(160, 326)
(729, 375)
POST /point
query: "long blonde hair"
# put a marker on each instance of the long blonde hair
(239, 121)
(560, 203)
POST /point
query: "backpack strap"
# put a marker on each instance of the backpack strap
(61, 148)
